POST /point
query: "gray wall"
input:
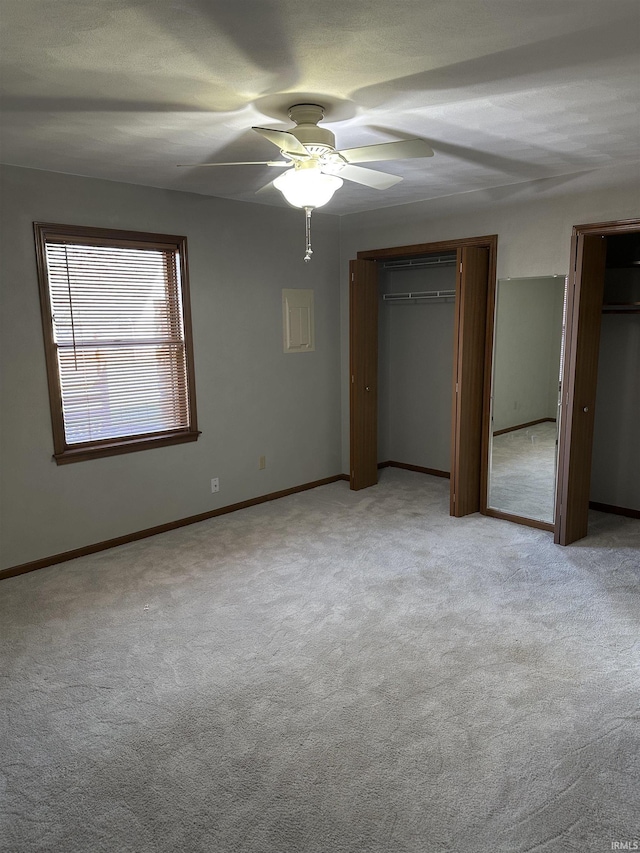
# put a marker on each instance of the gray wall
(415, 360)
(528, 336)
(252, 398)
(533, 223)
(615, 473)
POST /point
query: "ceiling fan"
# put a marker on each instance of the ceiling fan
(317, 169)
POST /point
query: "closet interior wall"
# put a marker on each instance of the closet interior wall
(415, 365)
(615, 471)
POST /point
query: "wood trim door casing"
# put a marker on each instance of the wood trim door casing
(579, 381)
(489, 241)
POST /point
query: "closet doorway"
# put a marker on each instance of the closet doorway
(475, 260)
(588, 296)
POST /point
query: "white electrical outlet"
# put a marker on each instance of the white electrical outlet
(262, 462)
(215, 485)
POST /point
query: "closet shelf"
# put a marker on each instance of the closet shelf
(621, 308)
(420, 295)
(421, 263)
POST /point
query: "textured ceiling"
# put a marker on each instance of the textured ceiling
(505, 91)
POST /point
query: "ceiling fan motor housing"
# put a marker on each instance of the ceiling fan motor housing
(318, 140)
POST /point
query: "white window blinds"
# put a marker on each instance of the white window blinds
(118, 333)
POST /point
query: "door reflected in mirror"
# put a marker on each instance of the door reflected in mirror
(527, 355)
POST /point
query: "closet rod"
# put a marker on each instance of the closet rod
(417, 263)
(623, 308)
(426, 294)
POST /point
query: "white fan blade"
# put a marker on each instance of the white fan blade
(402, 150)
(368, 177)
(277, 163)
(283, 139)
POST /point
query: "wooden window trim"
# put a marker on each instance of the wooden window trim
(65, 453)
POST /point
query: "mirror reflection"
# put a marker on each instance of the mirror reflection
(525, 398)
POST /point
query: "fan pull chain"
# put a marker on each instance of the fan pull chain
(309, 251)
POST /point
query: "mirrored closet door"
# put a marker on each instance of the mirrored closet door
(525, 397)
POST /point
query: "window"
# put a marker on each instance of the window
(117, 330)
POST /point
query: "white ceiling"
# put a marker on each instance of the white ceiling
(505, 91)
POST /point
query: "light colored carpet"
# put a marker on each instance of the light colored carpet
(523, 471)
(334, 671)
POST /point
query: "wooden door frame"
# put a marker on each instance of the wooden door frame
(574, 285)
(489, 242)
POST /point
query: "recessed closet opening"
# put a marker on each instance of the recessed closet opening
(615, 471)
(416, 320)
(598, 454)
(447, 348)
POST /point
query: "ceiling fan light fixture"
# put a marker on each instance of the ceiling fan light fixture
(307, 187)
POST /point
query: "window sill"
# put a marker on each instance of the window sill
(122, 445)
